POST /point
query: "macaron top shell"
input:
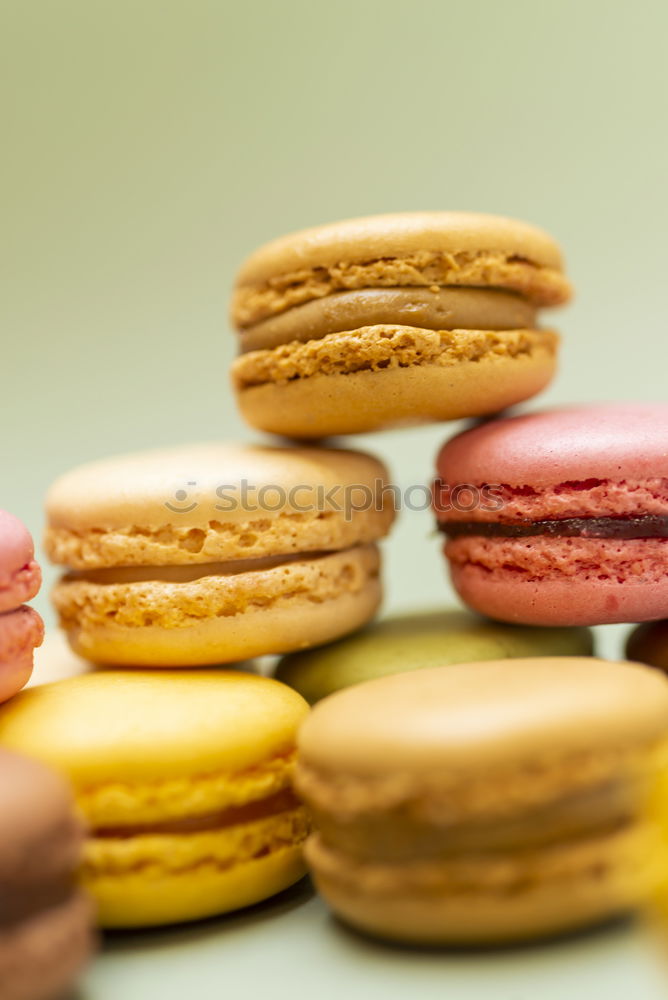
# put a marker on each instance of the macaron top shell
(614, 441)
(476, 717)
(418, 641)
(140, 726)
(396, 235)
(207, 502)
(20, 575)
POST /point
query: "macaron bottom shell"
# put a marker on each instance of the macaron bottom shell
(361, 401)
(21, 632)
(572, 600)
(157, 897)
(292, 619)
(492, 900)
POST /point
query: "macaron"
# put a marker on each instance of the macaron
(418, 640)
(648, 643)
(184, 782)
(394, 319)
(214, 553)
(484, 802)
(45, 921)
(560, 517)
(21, 628)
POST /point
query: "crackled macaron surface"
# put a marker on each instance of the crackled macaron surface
(483, 802)
(216, 553)
(415, 641)
(184, 781)
(561, 517)
(45, 921)
(394, 319)
(21, 627)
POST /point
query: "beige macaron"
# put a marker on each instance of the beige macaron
(394, 319)
(483, 802)
(215, 553)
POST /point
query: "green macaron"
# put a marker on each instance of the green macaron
(425, 639)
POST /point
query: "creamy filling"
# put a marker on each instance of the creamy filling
(428, 308)
(405, 838)
(186, 573)
(648, 526)
(280, 802)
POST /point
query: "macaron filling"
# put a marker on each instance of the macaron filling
(282, 801)
(583, 814)
(176, 596)
(426, 308)
(186, 573)
(590, 528)
(649, 526)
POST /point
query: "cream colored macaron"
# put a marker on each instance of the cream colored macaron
(184, 782)
(216, 553)
(394, 319)
(483, 802)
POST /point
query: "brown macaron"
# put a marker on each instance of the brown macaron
(394, 319)
(45, 922)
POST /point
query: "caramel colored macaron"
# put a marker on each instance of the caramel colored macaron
(215, 553)
(394, 319)
(185, 783)
(483, 802)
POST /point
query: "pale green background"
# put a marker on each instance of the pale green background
(147, 146)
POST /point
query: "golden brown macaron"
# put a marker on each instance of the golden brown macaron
(215, 553)
(483, 802)
(394, 319)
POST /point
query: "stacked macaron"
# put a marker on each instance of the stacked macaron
(21, 628)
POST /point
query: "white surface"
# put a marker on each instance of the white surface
(292, 948)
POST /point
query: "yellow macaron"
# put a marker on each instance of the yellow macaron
(185, 786)
(215, 553)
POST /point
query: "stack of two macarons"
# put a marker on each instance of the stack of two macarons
(193, 558)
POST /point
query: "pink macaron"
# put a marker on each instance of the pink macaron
(561, 517)
(21, 628)
(20, 575)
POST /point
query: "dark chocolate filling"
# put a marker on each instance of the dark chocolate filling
(648, 526)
